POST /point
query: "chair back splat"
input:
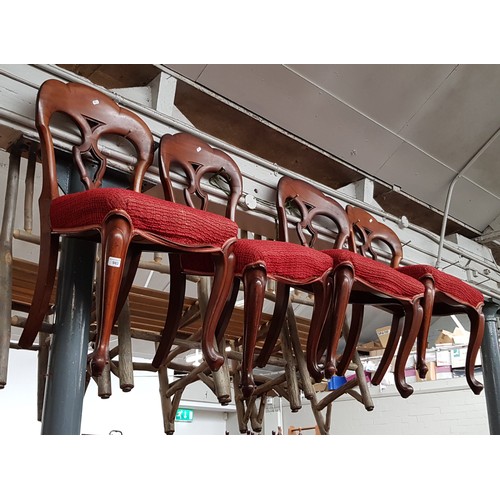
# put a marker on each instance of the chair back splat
(367, 232)
(197, 159)
(304, 207)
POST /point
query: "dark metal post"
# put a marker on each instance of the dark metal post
(490, 354)
(63, 405)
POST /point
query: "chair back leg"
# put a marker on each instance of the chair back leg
(390, 349)
(47, 268)
(174, 311)
(352, 338)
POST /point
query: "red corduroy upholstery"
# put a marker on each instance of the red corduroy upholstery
(377, 274)
(173, 221)
(289, 261)
(450, 285)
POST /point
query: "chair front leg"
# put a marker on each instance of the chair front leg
(254, 285)
(342, 286)
(423, 334)
(227, 311)
(116, 236)
(224, 263)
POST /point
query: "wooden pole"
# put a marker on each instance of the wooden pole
(239, 402)
(305, 378)
(290, 368)
(256, 417)
(126, 367)
(6, 262)
(104, 382)
(166, 403)
(29, 188)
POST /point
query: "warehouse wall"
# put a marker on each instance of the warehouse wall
(440, 407)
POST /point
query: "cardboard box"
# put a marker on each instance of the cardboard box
(383, 335)
(320, 386)
(443, 357)
(444, 338)
(460, 336)
(369, 347)
(458, 357)
(377, 353)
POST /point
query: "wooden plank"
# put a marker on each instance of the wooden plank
(148, 308)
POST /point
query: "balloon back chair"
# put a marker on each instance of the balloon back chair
(125, 220)
(363, 278)
(445, 295)
(293, 261)
(196, 164)
(289, 264)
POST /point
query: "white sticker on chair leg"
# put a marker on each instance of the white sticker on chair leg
(114, 261)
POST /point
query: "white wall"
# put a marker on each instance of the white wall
(136, 414)
(440, 407)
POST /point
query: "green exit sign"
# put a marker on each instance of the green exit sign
(184, 415)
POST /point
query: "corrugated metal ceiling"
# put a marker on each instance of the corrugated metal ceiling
(411, 126)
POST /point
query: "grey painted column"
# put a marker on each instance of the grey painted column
(490, 354)
(65, 389)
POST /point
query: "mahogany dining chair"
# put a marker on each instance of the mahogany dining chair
(196, 163)
(362, 278)
(124, 220)
(446, 295)
(290, 264)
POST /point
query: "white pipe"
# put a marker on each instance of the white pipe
(450, 192)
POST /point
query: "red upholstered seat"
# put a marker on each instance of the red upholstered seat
(286, 261)
(283, 260)
(450, 285)
(172, 221)
(377, 274)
